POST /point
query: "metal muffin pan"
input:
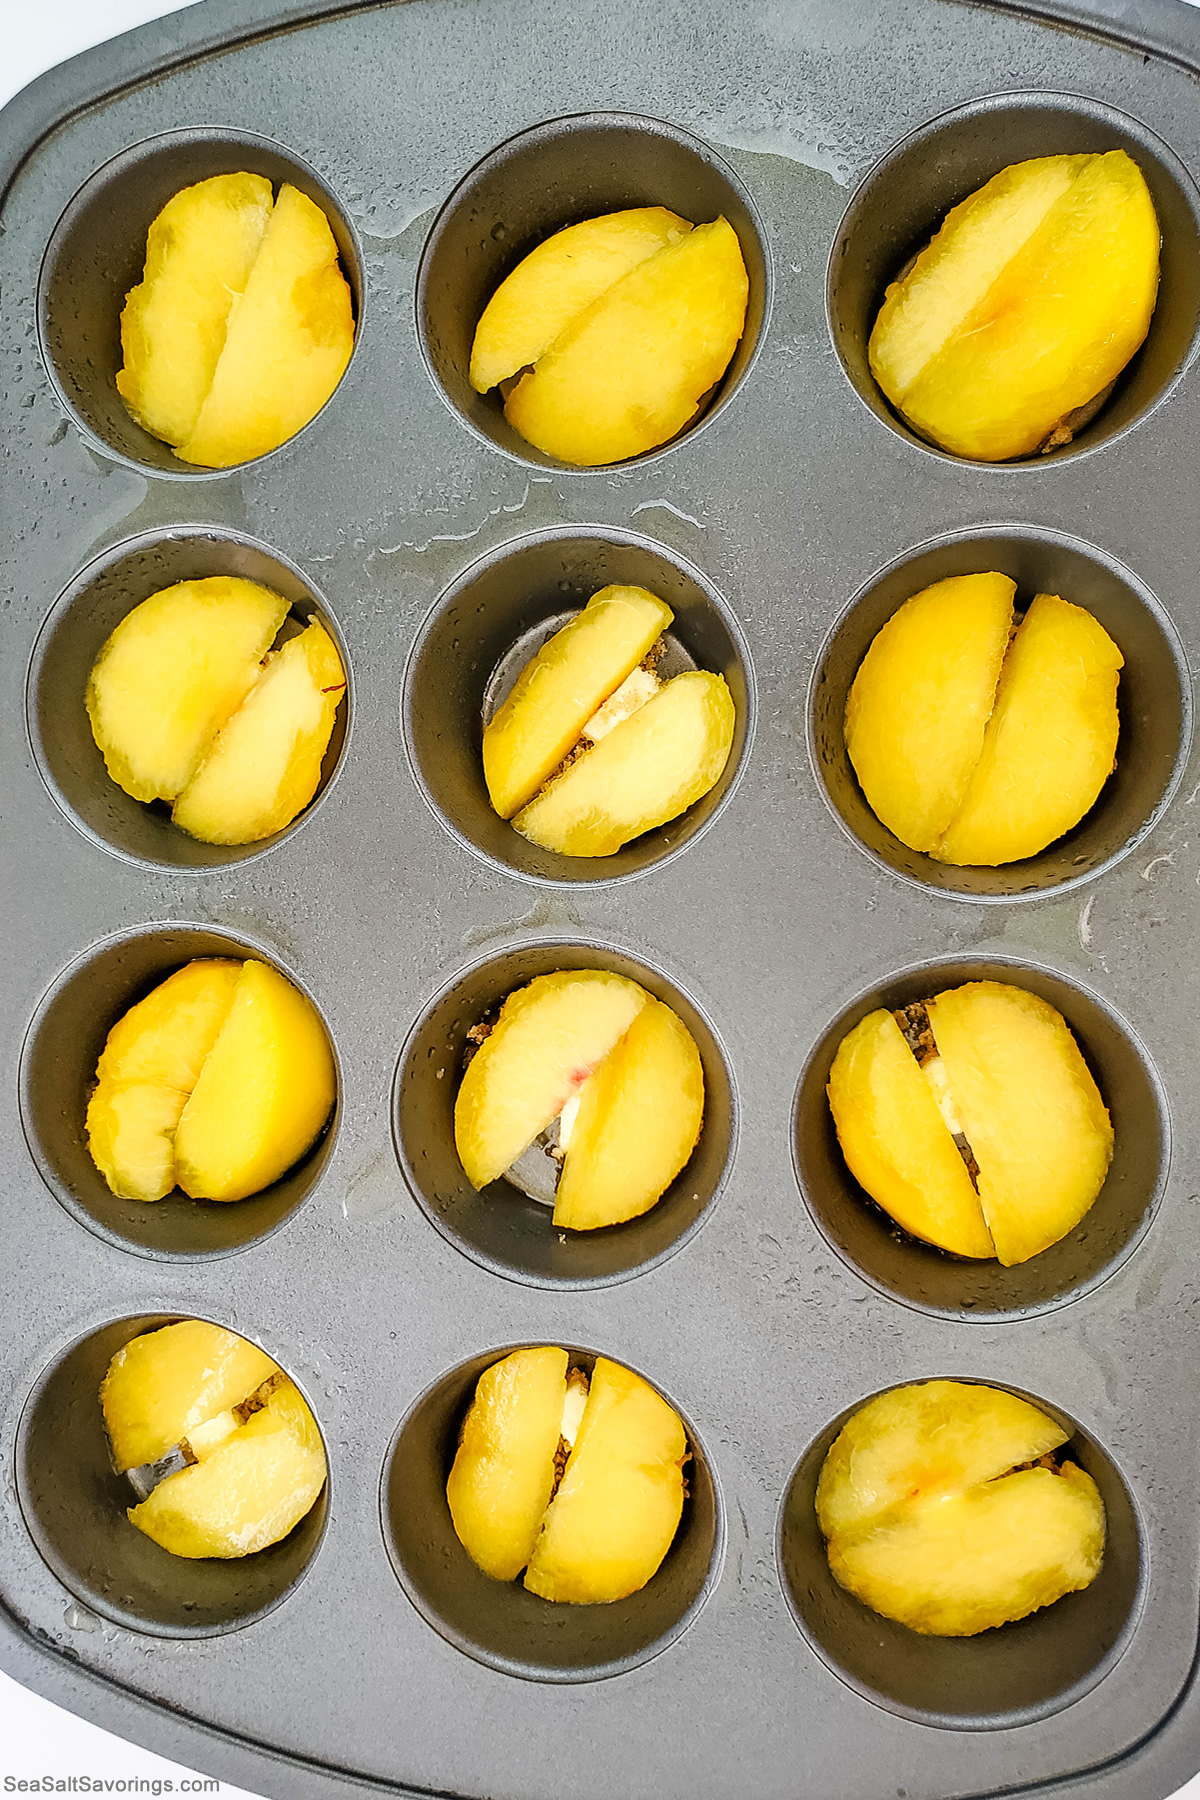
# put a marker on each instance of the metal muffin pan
(764, 1297)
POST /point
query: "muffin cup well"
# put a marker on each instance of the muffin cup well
(933, 1281)
(97, 253)
(72, 637)
(554, 175)
(58, 1070)
(501, 1227)
(903, 200)
(487, 626)
(74, 1503)
(1010, 1675)
(501, 1623)
(1153, 699)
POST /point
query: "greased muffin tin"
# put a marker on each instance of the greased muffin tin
(365, 1654)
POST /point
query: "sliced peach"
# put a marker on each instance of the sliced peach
(264, 765)
(620, 1500)
(248, 1492)
(980, 751)
(1050, 743)
(199, 254)
(162, 1385)
(580, 1481)
(921, 700)
(630, 370)
(216, 1082)
(263, 1096)
(503, 1472)
(638, 1121)
(560, 688)
(924, 1441)
(560, 279)
(896, 1143)
(167, 1036)
(150, 1064)
(931, 303)
(646, 771)
(1039, 1131)
(131, 1128)
(289, 339)
(994, 1081)
(172, 673)
(982, 1558)
(549, 1037)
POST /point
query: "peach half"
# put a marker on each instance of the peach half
(189, 703)
(591, 748)
(1006, 333)
(973, 1120)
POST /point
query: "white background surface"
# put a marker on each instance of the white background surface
(37, 1738)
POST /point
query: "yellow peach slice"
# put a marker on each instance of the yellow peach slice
(263, 1096)
(289, 339)
(646, 771)
(164, 1384)
(920, 702)
(923, 1442)
(264, 765)
(1050, 743)
(131, 1128)
(629, 371)
(172, 673)
(638, 1121)
(619, 1503)
(1048, 330)
(896, 1143)
(150, 1063)
(558, 280)
(933, 301)
(1031, 1111)
(548, 1039)
(560, 688)
(199, 253)
(981, 1558)
(503, 1472)
(167, 1036)
(251, 1490)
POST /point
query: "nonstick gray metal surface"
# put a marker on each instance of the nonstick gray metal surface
(765, 1299)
